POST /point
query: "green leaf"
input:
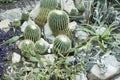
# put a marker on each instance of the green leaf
(34, 59)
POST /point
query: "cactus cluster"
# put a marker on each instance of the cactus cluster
(40, 47)
(45, 7)
(58, 21)
(62, 44)
(32, 32)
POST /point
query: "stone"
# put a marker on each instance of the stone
(35, 11)
(67, 5)
(111, 71)
(16, 57)
(81, 76)
(81, 34)
(48, 33)
(72, 25)
(4, 24)
(12, 14)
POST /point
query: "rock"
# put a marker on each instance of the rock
(111, 71)
(112, 66)
(100, 30)
(12, 14)
(118, 78)
(70, 59)
(4, 24)
(72, 25)
(81, 76)
(81, 34)
(16, 57)
(48, 33)
(46, 43)
(68, 5)
(35, 11)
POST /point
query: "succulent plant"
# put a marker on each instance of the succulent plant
(32, 32)
(25, 16)
(62, 44)
(45, 7)
(16, 23)
(26, 46)
(40, 47)
(58, 21)
(74, 12)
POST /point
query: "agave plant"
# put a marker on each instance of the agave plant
(32, 32)
(45, 7)
(58, 21)
(40, 47)
(62, 44)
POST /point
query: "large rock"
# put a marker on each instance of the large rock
(12, 14)
(4, 24)
(16, 57)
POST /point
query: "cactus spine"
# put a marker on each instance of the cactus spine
(45, 7)
(62, 44)
(32, 32)
(58, 21)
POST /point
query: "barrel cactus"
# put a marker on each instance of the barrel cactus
(62, 44)
(74, 12)
(32, 32)
(16, 23)
(40, 47)
(25, 16)
(26, 46)
(45, 7)
(58, 21)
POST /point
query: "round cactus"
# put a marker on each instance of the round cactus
(25, 16)
(74, 12)
(16, 23)
(26, 46)
(62, 44)
(45, 7)
(58, 21)
(32, 32)
(40, 46)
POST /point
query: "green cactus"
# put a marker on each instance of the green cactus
(74, 12)
(32, 32)
(58, 21)
(45, 7)
(40, 47)
(6, 1)
(26, 46)
(62, 44)
(16, 23)
(25, 16)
